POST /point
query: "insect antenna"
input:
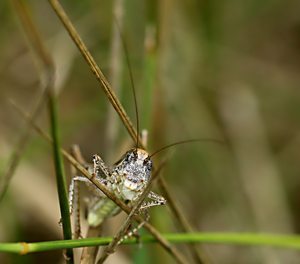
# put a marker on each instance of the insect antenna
(186, 141)
(131, 81)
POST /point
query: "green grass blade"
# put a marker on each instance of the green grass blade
(60, 175)
(240, 239)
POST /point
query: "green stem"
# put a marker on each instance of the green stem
(241, 239)
(60, 175)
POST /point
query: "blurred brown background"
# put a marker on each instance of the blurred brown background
(203, 69)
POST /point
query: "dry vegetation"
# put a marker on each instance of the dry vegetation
(202, 69)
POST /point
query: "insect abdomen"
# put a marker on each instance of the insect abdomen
(101, 210)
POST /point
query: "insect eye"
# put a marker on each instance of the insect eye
(129, 156)
(147, 162)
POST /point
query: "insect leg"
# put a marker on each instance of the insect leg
(155, 201)
(73, 189)
(74, 197)
(100, 169)
(74, 202)
(134, 231)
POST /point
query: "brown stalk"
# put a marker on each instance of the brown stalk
(161, 240)
(32, 35)
(166, 11)
(94, 67)
(20, 147)
(199, 255)
(89, 254)
(115, 76)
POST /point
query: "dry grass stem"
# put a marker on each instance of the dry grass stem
(94, 67)
(45, 65)
(198, 254)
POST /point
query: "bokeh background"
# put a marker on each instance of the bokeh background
(225, 70)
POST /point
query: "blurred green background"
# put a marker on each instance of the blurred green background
(224, 70)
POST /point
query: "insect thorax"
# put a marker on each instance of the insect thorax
(132, 174)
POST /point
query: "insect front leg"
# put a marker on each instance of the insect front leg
(156, 200)
(101, 172)
(73, 188)
(100, 169)
(74, 202)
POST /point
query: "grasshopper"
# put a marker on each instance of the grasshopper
(127, 179)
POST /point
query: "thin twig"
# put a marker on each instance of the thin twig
(20, 147)
(115, 75)
(199, 255)
(39, 51)
(77, 154)
(89, 254)
(163, 242)
(33, 36)
(112, 246)
(94, 67)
